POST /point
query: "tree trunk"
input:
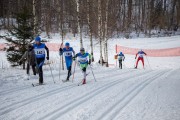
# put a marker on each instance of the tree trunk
(61, 28)
(172, 15)
(90, 29)
(106, 34)
(99, 30)
(35, 18)
(78, 21)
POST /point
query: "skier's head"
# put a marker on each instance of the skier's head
(82, 50)
(120, 53)
(140, 50)
(37, 40)
(67, 45)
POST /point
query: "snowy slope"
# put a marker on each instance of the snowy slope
(127, 94)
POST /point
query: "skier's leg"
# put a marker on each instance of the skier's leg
(69, 72)
(28, 68)
(137, 62)
(83, 67)
(142, 61)
(40, 63)
(40, 75)
(33, 69)
(121, 64)
(84, 73)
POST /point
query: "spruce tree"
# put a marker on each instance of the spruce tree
(23, 33)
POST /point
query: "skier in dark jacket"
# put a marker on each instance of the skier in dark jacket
(29, 56)
(121, 58)
(39, 49)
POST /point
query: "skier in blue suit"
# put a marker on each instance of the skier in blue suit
(121, 58)
(39, 50)
(68, 54)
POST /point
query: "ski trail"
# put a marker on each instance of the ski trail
(81, 99)
(19, 104)
(15, 90)
(24, 102)
(11, 91)
(113, 111)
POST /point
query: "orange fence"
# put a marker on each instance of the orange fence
(150, 52)
(51, 46)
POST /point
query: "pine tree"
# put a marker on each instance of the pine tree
(23, 33)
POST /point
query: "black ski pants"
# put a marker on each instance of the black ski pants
(33, 68)
(40, 62)
(120, 64)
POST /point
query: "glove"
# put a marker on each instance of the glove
(47, 58)
(74, 58)
(20, 63)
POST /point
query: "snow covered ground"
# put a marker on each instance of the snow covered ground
(128, 94)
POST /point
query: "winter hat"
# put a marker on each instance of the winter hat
(38, 39)
(67, 44)
(120, 53)
(82, 49)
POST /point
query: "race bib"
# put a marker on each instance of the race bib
(83, 60)
(40, 51)
(141, 55)
(68, 53)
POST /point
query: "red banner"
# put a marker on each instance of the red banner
(150, 52)
(51, 46)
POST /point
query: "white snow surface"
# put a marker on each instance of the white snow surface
(152, 93)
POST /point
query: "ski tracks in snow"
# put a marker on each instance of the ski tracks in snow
(108, 113)
(17, 105)
(57, 113)
(112, 112)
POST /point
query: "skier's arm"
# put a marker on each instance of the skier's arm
(60, 51)
(24, 56)
(74, 58)
(136, 55)
(123, 58)
(73, 52)
(145, 53)
(47, 50)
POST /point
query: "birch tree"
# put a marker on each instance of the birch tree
(106, 33)
(100, 30)
(79, 23)
(90, 28)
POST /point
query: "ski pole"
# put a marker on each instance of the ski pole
(51, 73)
(148, 62)
(93, 73)
(74, 70)
(60, 69)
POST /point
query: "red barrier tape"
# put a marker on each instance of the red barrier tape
(150, 52)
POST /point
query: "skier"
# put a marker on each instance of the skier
(29, 55)
(39, 49)
(121, 58)
(84, 59)
(140, 54)
(68, 53)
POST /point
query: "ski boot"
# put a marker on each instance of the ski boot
(84, 81)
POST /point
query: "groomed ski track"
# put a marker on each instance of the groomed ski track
(105, 99)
